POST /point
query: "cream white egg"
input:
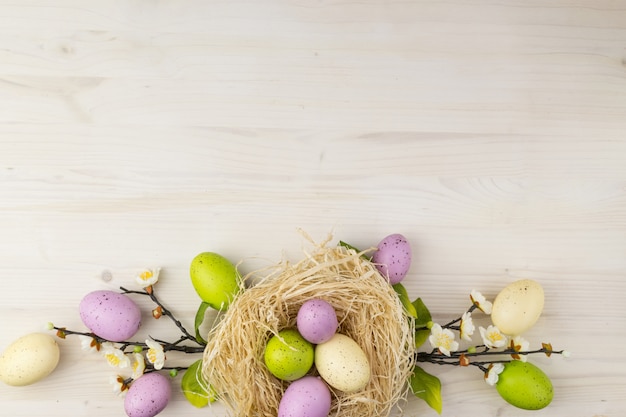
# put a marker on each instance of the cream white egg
(29, 359)
(342, 364)
(518, 306)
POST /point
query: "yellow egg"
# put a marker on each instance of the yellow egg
(342, 364)
(518, 306)
(29, 359)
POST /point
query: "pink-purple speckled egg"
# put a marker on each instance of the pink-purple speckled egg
(148, 395)
(110, 315)
(393, 257)
(317, 321)
(308, 396)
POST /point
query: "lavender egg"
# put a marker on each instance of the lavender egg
(148, 395)
(393, 258)
(306, 397)
(110, 315)
(317, 321)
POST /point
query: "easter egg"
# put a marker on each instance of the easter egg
(29, 359)
(110, 315)
(215, 279)
(317, 321)
(342, 364)
(524, 385)
(393, 257)
(148, 395)
(518, 306)
(288, 356)
(307, 397)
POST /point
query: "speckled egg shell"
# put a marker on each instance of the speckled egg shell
(110, 315)
(342, 364)
(393, 257)
(148, 395)
(518, 306)
(307, 397)
(317, 321)
(29, 359)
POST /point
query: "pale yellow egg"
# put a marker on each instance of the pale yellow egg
(342, 364)
(29, 359)
(518, 306)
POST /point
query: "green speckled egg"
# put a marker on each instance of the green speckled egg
(524, 385)
(288, 356)
(215, 279)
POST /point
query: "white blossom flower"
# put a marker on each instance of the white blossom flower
(114, 356)
(443, 339)
(155, 354)
(481, 302)
(467, 326)
(493, 373)
(138, 365)
(519, 344)
(119, 385)
(492, 337)
(89, 343)
(148, 277)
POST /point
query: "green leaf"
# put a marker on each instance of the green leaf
(349, 246)
(197, 391)
(404, 298)
(198, 321)
(423, 315)
(421, 336)
(427, 387)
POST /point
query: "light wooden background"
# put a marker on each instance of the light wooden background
(491, 134)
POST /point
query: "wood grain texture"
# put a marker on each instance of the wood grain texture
(491, 134)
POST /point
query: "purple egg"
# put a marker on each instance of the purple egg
(317, 321)
(393, 257)
(110, 315)
(148, 395)
(308, 396)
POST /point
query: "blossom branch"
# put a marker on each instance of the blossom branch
(164, 311)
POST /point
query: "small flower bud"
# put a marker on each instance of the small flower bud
(157, 312)
(430, 324)
(137, 349)
(471, 349)
(173, 373)
(49, 326)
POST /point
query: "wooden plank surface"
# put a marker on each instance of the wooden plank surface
(491, 134)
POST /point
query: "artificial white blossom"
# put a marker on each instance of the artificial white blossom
(138, 365)
(114, 356)
(89, 343)
(492, 337)
(467, 326)
(155, 354)
(481, 302)
(119, 385)
(493, 373)
(148, 277)
(519, 344)
(442, 339)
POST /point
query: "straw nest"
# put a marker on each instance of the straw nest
(368, 311)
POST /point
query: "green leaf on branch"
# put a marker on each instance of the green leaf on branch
(404, 299)
(197, 391)
(199, 320)
(349, 246)
(423, 315)
(427, 387)
(421, 336)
